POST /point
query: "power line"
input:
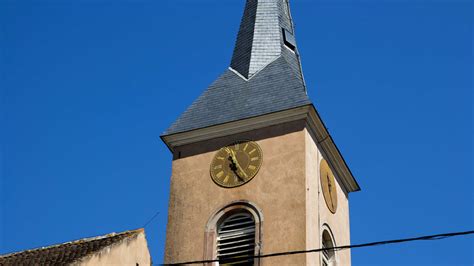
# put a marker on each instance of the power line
(380, 243)
(151, 220)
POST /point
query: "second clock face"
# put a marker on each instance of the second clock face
(328, 184)
(236, 164)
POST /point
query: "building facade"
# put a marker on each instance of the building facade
(254, 169)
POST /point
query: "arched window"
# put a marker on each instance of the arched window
(233, 234)
(236, 239)
(328, 255)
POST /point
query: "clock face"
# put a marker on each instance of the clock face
(328, 185)
(236, 164)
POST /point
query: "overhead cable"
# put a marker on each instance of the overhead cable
(379, 243)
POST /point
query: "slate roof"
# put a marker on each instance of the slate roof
(265, 74)
(66, 253)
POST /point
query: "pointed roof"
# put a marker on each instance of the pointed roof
(67, 253)
(264, 75)
(265, 26)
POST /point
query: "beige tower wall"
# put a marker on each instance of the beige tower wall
(312, 199)
(319, 215)
(131, 251)
(285, 190)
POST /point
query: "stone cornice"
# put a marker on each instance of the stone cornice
(314, 124)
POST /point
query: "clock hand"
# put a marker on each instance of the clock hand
(237, 163)
(329, 188)
(231, 158)
(237, 174)
(233, 167)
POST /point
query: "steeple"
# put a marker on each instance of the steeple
(253, 146)
(265, 31)
(264, 75)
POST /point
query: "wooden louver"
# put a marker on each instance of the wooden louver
(236, 240)
(328, 251)
(326, 255)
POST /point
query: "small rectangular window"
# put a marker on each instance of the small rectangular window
(289, 39)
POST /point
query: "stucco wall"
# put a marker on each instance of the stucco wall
(318, 212)
(286, 190)
(132, 251)
(278, 190)
(312, 198)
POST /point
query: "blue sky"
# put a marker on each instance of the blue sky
(88, 86)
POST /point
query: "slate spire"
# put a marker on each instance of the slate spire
(264, 76)
(266, 28)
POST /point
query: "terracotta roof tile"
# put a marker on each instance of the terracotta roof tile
(66, 253)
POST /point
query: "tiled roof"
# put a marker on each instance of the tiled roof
(269, 91)
(264, 77)
(66, 253)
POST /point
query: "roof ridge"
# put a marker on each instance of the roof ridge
(298, 73)
(256, 73)
(78, 241)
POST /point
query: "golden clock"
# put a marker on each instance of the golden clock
(328, 184)
(236, 164)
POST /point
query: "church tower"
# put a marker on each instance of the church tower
(254, 169)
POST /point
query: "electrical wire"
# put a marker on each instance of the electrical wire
(151, 220)
(339, 248)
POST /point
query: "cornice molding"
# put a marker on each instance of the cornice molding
(235, 127)
(314, 124)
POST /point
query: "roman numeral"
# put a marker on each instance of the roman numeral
(252, 167)
(220, 174)
(254, 159)
(252, 151)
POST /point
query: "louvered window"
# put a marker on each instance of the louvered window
(328, 254)
(236, 240)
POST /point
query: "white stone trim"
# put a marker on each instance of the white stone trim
(238, 74)
(326, 228)
(210, 234)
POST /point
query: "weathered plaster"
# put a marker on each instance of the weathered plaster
(286, 190)
(131, 251)
(338, 222)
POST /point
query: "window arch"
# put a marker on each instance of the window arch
(328, 255)
(234, 231)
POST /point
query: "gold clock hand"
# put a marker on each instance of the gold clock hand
(237, 174)
(330, 190)
(233, 163)
(237, 164)
(232, 157)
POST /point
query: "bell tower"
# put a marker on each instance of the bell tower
(254, 170)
